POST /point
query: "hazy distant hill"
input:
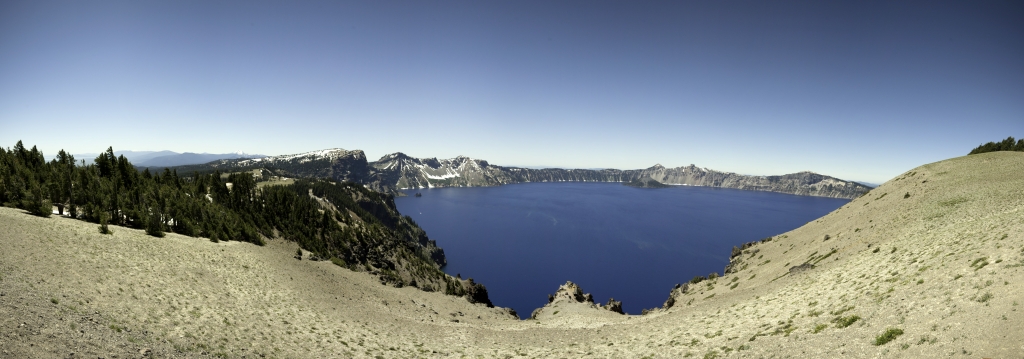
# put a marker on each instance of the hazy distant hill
(164, 158)
(400, 171)
(171, 159)
(132, 156)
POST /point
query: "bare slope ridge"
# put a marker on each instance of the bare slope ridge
(936, 255)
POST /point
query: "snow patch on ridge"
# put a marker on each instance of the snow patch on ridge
(303, 157)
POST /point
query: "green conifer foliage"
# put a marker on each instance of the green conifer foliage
(345, 221)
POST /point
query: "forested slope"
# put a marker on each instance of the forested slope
(350, 225)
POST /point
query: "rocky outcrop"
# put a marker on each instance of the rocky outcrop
(646, 183)
(476, 292)
(735, 258)
(800, 268)
(571, 293)
(677, 292)
(613, 305)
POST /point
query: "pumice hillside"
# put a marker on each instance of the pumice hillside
(928, 264)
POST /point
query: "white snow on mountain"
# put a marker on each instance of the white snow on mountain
(302, 157)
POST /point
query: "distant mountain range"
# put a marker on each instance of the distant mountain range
(167, 158)
(400, 171)
(172, 159)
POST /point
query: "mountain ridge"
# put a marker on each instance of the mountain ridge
(397, 171)
(190, 158)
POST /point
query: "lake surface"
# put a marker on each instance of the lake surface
(524, 240)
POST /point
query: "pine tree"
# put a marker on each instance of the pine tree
(63, 170)
(154, 226)
(38, 204)
(103, 223)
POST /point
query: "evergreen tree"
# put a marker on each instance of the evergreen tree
(345, 221)
(63, 170)
(103, 224)
(1007, 144)
(37, 203)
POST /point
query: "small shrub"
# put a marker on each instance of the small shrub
(889, 335)
(842, 310)
(906, 195)
(876, 250)
(818, 328)
(43, 208)
(984, 297)
(103, 224)
(155, 231)
(843, 322)
(54, 300)
(979, 263)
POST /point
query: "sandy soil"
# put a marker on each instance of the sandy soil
(937, 253)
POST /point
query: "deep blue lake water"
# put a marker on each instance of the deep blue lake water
(524, 240)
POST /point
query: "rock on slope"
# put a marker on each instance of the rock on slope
(937, 254)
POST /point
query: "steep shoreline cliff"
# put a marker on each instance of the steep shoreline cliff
(399, 171)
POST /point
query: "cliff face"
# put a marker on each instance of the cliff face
(400, 171)
(396, 171)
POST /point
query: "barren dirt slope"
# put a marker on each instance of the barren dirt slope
(937, 253)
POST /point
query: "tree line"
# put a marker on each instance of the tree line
(345, 222)
(1005, 145)
(110, 191)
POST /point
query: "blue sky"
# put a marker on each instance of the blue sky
(858, 90)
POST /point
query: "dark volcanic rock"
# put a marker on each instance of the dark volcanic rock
(800, 268)
(572, 292)
(476, 292)
(535, 313)
(613, 305)
(646, 183)
(511, 312)
(677, 292)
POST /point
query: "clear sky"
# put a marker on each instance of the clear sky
(858, 90)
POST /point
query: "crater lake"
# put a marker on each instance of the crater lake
(633, 244)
